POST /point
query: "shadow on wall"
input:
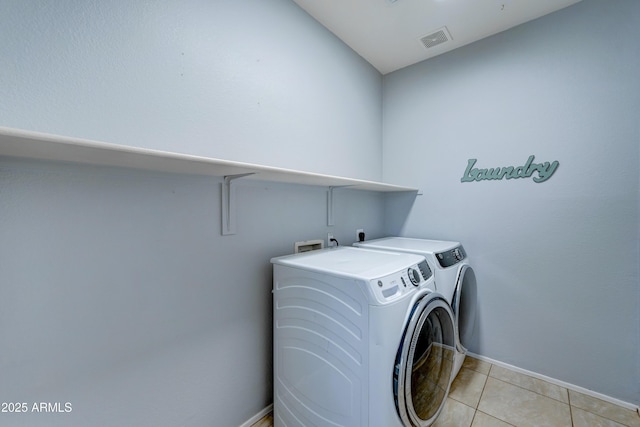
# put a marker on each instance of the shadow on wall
(397, 207)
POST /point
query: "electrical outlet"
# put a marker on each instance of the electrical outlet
(329, 242)
(358, 231)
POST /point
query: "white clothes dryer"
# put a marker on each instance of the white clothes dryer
(454, 278)
(360, 339)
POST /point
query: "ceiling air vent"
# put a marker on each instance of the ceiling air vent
(435, 38)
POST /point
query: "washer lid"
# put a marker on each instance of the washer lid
(407, 244)
(351, 262)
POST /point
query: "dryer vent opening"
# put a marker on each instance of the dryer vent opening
(435, 38)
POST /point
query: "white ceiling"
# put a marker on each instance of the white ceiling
(387, 33)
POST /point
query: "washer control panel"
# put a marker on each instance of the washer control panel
(425, 270)
(414, 276)
(451, 256)
(395, 285)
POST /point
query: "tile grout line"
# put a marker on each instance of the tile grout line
(479, 400)
(522, 388)
(554, 381)
(475, 410)
(491, 365)
(485, 385)
(532, 391)
(570, 408)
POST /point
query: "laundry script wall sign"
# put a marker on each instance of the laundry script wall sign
(539, 172)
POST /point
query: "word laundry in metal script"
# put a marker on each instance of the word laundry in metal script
(545, 171)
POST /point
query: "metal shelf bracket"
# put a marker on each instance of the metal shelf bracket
(330, 221)
(330, 207)
(229, 203)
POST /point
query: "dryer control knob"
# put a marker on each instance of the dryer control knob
(414, 276)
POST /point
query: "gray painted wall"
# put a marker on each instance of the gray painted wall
(556, 262)
(117, 292)
(120, 296)
(253, 81)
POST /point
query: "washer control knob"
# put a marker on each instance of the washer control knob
(414, 276)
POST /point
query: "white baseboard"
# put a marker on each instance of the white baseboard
(257, 417)
(559, 383)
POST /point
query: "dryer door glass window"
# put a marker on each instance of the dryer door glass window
(426, 363)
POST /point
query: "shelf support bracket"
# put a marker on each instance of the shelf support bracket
(330, 221)
(229, 203)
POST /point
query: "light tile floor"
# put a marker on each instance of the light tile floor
(487, 395)
(266, 421)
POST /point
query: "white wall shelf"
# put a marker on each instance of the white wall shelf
(41, 146)
(33, 145)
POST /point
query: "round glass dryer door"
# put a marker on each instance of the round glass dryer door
(424, 362)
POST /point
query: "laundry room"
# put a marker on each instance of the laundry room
(123, 299)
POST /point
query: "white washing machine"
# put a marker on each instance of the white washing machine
(454, 278)
(360, 339)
